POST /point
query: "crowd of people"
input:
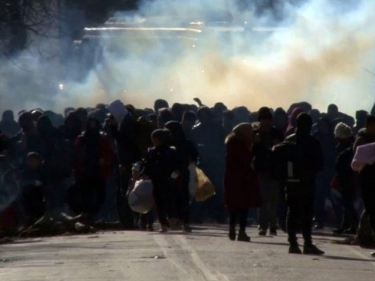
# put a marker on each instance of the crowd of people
(274, 167)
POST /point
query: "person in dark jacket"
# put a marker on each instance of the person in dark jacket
(32, 185)
(208, 138)
(367, 136)
(266, 137)
(328, 143)
(187, 154)
(302, 160)
(346, 179)
(241, 186)
(162, 167)
(93, 167)
(188, 121)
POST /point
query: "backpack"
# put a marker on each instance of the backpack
(290, 162)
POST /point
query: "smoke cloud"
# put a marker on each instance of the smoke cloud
(318, 52)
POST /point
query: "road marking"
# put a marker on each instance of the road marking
(169, 253)
(207, 273)
(197, 269)
(359, 254)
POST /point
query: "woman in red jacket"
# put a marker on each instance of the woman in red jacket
(241, 188)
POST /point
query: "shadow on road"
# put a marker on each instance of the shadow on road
(346, 258)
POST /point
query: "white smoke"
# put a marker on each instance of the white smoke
(318, 53)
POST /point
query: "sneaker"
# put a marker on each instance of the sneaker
(273, 231)
(243, 237)
(262, 232)
(312, 250)
(373, 254)
(232, 235)
(294, 249)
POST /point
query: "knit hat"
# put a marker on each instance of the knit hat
(343, 131)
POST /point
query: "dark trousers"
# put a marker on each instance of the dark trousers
(240, 216)
(269, 190)
(182, 199)
(300, 202)
(146, 220)
(33, 201)
(350, 218)
(321, 193)
(163, 195)
(87, 196)
(368, 195)
(124, 211)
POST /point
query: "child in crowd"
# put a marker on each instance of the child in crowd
(162, 168)
(145, 221)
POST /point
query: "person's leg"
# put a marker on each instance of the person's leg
(293, 216)
(183, 203)
(243, 219)
(263, 210)
(307, 210)
(370, 210)
(282, 209)
(274, 192)
(232, 224)
(307, 215)
(242, 215)
(350, 218)
(125, 214)
(161, 205)
(321, 193)
(292, 220)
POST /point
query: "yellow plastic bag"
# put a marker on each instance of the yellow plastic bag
(205, 188)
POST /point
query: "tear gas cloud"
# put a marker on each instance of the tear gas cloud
(318, 52)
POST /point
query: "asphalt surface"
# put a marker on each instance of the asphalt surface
(206, 254)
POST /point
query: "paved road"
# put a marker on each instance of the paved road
(205, 255)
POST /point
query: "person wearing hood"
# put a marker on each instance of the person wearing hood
(280, 119)
(345, 178)
(302, 158)
(241, 186)
(293, 121)
(208, 138)
(265, 138)
(93, 166)
(186, 154)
